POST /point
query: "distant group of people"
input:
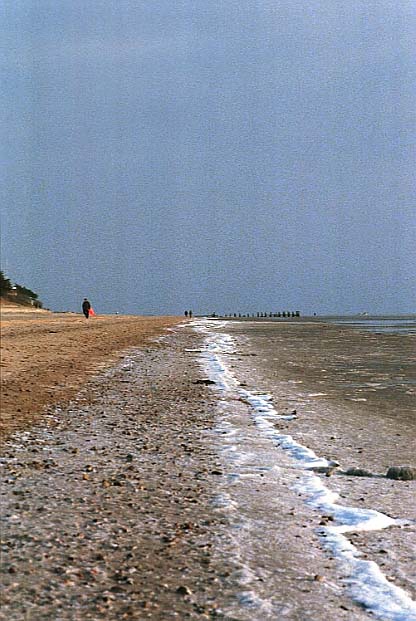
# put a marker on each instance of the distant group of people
(188, 314)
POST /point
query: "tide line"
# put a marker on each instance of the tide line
(367, 584)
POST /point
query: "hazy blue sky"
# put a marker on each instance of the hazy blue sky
(217, 155)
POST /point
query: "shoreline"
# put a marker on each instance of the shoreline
(300, 377)
(160, 499)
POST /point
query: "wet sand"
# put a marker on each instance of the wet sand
(365, 383)
(353, 397)
(113, 503)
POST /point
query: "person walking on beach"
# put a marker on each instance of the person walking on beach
(86, 306)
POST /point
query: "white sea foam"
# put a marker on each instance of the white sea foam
(367, 583)
(224, 501)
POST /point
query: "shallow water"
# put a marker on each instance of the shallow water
(343, 362)
(392, 325)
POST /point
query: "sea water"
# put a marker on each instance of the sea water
(391, 325)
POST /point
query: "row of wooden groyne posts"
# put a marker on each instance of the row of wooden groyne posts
(279, 315)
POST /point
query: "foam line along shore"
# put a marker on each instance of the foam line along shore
(366, 583)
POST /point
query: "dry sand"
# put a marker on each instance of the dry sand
(46, 357)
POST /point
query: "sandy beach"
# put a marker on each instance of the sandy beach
(135, 486)
(106, 500)
(46, 357)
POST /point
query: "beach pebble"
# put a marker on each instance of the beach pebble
(401, 473)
